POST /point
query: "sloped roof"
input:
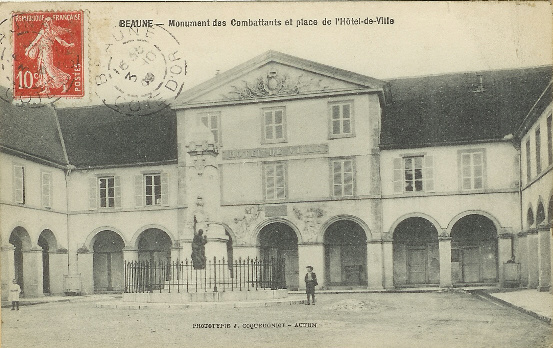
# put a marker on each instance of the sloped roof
(453, 108)
(281, 58)
(30, 130)
(100, 136)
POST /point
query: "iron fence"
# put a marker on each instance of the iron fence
(218, 275)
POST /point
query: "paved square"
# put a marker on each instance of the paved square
(343, 320)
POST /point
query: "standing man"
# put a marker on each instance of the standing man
(310, 283)
(15, 289)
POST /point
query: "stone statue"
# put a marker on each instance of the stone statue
(198, 248)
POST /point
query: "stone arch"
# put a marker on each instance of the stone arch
(416, 255)
(136, 235)
(49, 237)
(21, 234)
(345, 250)
(279, 238)
(47, 241)
(419, 215)
(540, 212)
(269, 221)
(474, 249)
(473, 212)
(21, 241)
(230, 232)
(336, 218)
(89, 243)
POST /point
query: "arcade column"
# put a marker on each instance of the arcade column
(375, 265)
(445, 261)
(544, 258)
(533, 270)
(312, 255)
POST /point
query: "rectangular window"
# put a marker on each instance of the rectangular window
(212, 121)
(341, 120)
(19, 184)
(538, 151)
(153, 189)
(472, 170)
(413, 173)
(274, 125)
(412, 170)
(107, 192)
(46, 190)
(549, 142)
(528, 162)
(342, 178)
(274, 180)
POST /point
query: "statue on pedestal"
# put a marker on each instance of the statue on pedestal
(198, 248)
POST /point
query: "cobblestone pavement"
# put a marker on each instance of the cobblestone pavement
(338, 320)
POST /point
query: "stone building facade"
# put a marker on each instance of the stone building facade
(376, 184)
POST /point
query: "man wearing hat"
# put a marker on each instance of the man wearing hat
(310, 283)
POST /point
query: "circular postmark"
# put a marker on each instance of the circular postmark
(141, 70)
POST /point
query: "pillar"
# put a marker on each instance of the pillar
(504, 254)
(8, 269)
(58, 270)
(375, 265)
(130, 254)
(544, 258)
(533, 271)
(445, 261)
(312, 255)
(388, 264)
(32, 272)
(216, 242)
(522, 257)
(85, 283)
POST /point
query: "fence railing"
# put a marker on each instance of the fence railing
(218, 275)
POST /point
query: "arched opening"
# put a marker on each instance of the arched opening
(47, 241)
(21, 241)
(530, 217)
(108, 261)
(345, 254)
(540, 214)
(474, 250)
(278, 240)
(416, 253)
(154, 245)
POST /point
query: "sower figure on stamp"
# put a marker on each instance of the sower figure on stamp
(198, 248)
(49, 76)
(310, 283)
(15, 290)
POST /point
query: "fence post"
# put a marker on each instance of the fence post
(215, 274)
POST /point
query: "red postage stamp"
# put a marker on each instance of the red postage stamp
(48, 54)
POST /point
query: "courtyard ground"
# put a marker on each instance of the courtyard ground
(437, 319)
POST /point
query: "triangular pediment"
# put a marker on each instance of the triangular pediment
(275, 75)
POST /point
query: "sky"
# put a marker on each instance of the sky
(426, 38)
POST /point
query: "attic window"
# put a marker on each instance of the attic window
(480, 87)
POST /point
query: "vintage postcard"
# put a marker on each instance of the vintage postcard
(270, 174)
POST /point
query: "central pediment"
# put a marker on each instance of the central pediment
(275, 75)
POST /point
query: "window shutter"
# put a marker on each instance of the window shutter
(398, 175)
(164, 189)
(117, 191)
(92, 193)
(428, 173)
(46, 190)
(138, 191)
(18, 184)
